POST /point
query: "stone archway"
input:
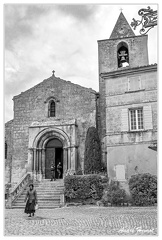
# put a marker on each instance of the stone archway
(39, 151)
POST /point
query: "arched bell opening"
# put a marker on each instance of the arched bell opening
(122, 55)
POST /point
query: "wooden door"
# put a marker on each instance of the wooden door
(50, 158)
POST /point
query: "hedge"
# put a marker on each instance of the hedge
(143, 188)
(83, 187)
(113, 194)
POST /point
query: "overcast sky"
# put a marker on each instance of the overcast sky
(40, 38)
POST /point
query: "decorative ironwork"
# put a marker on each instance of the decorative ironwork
(148, 20)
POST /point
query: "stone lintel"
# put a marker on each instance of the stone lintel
(54, 123)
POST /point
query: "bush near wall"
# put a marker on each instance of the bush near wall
(143, 188)
(113, 194)
(83, 188)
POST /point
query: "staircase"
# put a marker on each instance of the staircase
(48, 193)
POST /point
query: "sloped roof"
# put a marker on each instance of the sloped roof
(59, 80)
(122, 28)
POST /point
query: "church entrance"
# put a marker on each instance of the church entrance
(54, 154)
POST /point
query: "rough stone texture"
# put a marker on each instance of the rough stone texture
(8, 141)
(107, 57)
(72, 102)
(116, 98)
(123, 146)
(122, 28)
(107, 50)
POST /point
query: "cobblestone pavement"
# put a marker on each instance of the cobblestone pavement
(83, 220)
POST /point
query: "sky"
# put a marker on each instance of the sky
(39, 38)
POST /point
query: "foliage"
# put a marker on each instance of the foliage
(143, 188)
(92, 155)
(83, 187)
(113, 194)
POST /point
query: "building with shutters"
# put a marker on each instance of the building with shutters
(52, 118)
(128, 102)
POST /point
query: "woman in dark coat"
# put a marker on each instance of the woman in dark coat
(31, 197)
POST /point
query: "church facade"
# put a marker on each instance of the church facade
(51, 119)
(50, 124)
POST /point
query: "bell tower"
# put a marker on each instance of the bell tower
(122, 51)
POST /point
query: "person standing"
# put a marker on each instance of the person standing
(59, 169)
(53, 172)
(31, 200)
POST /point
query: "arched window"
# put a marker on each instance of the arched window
(122, 55)
(5, 150)
(51, 109)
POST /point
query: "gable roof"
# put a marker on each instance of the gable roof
(59, 81)
(122, 28)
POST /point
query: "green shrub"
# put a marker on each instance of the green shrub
(92, 155)
(83, 187)
(143, 188)
(113, 194)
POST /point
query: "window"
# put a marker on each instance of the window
(136, 119)
(51, 109)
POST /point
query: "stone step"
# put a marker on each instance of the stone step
(39, 201)
(42, 198)
(47, 203)
(45, 194)
(40, 207)
(46, 190)
(48, 194)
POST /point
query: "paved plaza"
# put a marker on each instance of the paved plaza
(82, 220)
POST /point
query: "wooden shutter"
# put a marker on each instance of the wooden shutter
(147, 115)
(124, 119)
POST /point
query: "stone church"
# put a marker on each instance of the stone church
(51, 119)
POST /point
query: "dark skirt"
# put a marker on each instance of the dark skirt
(30, 207)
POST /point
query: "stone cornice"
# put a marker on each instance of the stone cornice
(129, 71)
(122, 38)
(53, 123)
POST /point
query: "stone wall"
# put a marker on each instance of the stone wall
(107, 60)
(107, 52)
(8, 142)
(72, 102)
(126, 147)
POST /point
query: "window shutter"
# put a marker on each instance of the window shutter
(147, 117)
(124, 119)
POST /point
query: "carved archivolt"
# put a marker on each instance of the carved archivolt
(42, 138)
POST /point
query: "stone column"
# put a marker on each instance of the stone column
(65, 161)
(39, 175)
(73, 158)
(43, 163)
(29, 164)
(34, 164)
(69, 158)
(37, 162)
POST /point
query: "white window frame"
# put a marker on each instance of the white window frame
(136, 115)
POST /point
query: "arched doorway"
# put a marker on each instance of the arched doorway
(53, 154)
(42, 152)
